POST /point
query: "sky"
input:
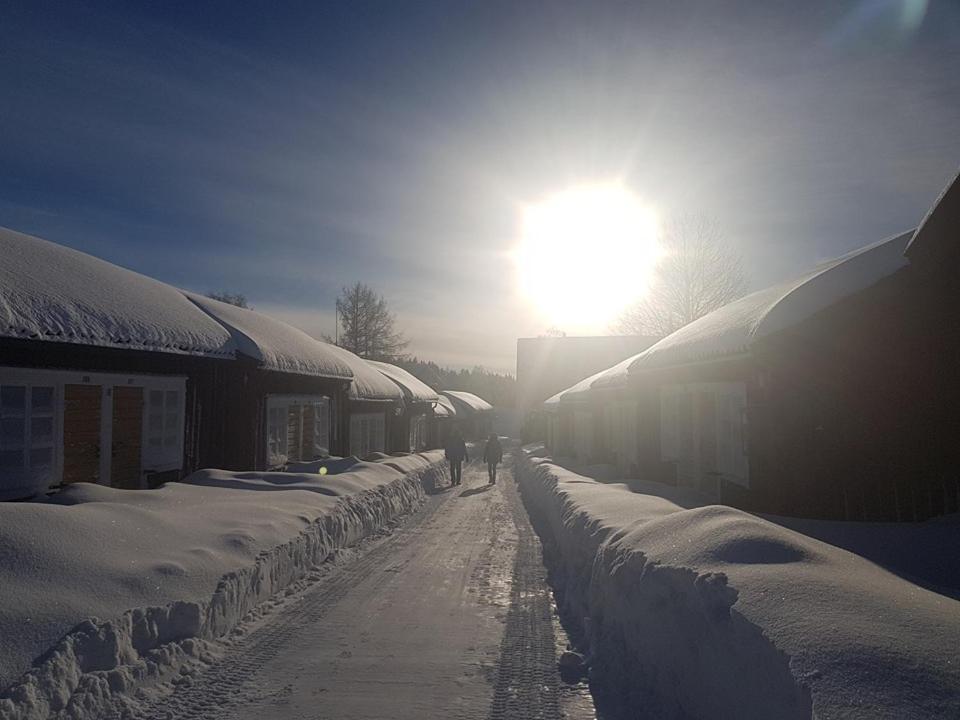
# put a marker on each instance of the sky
(285, 150)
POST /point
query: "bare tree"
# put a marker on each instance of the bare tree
(699, 273)
(366, 325)
(237, 299)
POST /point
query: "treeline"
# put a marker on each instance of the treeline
(498, 389)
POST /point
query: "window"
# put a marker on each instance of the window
(366, 433)
(276, 435)
(710, 440)
(321, 427)
(418, 432)
(164, 432)
(298, 428)
(27, 429)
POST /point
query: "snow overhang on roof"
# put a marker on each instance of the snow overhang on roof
(466, 401)
(444, 408)
(368, 383)
(274, 344)
(414, 390)
(938, 230)
(52, 293)
(735, 327)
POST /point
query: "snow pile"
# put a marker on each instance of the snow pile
(104, 589)
(50, 292)
(710, 612)
(274, 344)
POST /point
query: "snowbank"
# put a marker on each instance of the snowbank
(101, 589)
(710, 612)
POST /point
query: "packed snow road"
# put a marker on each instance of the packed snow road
(448, 617)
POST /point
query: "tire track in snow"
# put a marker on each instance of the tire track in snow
(221, 688)
(528, 683)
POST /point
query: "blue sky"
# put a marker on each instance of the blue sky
(284, 150)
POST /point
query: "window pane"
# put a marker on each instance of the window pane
(173, 399)
(41, 457)
(11, 432)
(13, 400)
(172, 422)
(155, 424)
(156, 399)
(170, 441)
(42, 400)
(41, 430)
(154, 441)
(11, 460)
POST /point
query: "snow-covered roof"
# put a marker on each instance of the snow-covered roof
(54, 293)
(368, 383)
(276, 345)
(940, 223)
(444, 408)
(468, 401)
(577, 390)
(733, 328)
(413, 389)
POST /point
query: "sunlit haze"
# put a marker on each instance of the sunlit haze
(433, 150)
(585, 254)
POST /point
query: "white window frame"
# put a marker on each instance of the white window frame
(24, 480)
(58, 379)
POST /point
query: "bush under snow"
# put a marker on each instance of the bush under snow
(103, 589)
(709, 612)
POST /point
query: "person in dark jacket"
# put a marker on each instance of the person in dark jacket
(492, 455)
(456, 453)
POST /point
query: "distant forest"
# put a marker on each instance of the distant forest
(496, 388)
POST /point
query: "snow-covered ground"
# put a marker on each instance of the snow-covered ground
(704, 611)
(102, 589)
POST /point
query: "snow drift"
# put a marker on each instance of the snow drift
(708, 612)
(102, 589)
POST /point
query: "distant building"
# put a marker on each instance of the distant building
(547, 365)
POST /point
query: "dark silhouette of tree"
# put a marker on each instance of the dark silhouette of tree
(499, 389)
(699, 273)
(237, 299)
(366, 325)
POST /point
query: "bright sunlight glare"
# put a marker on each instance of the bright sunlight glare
(586, 254)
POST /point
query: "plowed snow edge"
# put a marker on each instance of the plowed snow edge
(91, 669)
(662, 641)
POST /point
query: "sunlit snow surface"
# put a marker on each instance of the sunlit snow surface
(52, 293)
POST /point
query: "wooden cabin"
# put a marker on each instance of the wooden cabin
(441, 421)
(474, 414)
(112, 377)
(287, 394)
(103, 373)
(409, 431)
(746, 403)
(373, 402)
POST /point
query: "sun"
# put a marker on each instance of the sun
(586, 254)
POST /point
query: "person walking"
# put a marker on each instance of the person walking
(492, 455)
(456, 453)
